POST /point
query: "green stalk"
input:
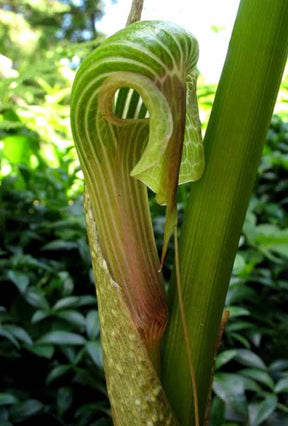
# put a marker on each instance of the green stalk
(213, 221)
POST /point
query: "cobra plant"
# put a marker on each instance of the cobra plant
(135, 124)
(146, 69)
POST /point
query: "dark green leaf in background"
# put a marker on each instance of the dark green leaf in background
(92, 324)
(25, 409)
(62, 338)
(7, 399)
(259, 412)
(230, 389)
(57, 372)
(95, 351)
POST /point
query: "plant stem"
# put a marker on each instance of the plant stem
(135, 11)
(213, 221)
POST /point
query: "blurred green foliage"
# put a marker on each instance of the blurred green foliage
(51, 367)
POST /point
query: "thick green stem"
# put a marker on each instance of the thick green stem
(214, 218)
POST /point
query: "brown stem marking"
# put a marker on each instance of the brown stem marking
(224, 321)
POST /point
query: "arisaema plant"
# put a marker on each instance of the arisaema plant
(135, 124)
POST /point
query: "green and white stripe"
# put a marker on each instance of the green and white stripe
(155, 50)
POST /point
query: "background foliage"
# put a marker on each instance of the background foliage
(50, 354)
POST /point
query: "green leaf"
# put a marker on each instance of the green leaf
(57, 372)
(9, 336)
(250, 384)
(72, 317)
(68, 284)
(271, 237)
(238, 292)
(239, 264)
(279, 365)
(225, 357)
(39, 316)
(7, 399)
(94, 349)
(25, 409)
(240, 338)
(282, 385)
(92, 324)
(217, 412)
(64, 399)
(259, 375)
(20, 280)
(67, 302)
(36, 297)
(17, 148)
(60, 245)
(259, 412)
(45, 351)
(62, 338)
(240, 325)
(19, 333)
(236, 311)
(255, 338)
(87, 300)
(80, 355)
(74, 301)
(250, 359)
(231, 390)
